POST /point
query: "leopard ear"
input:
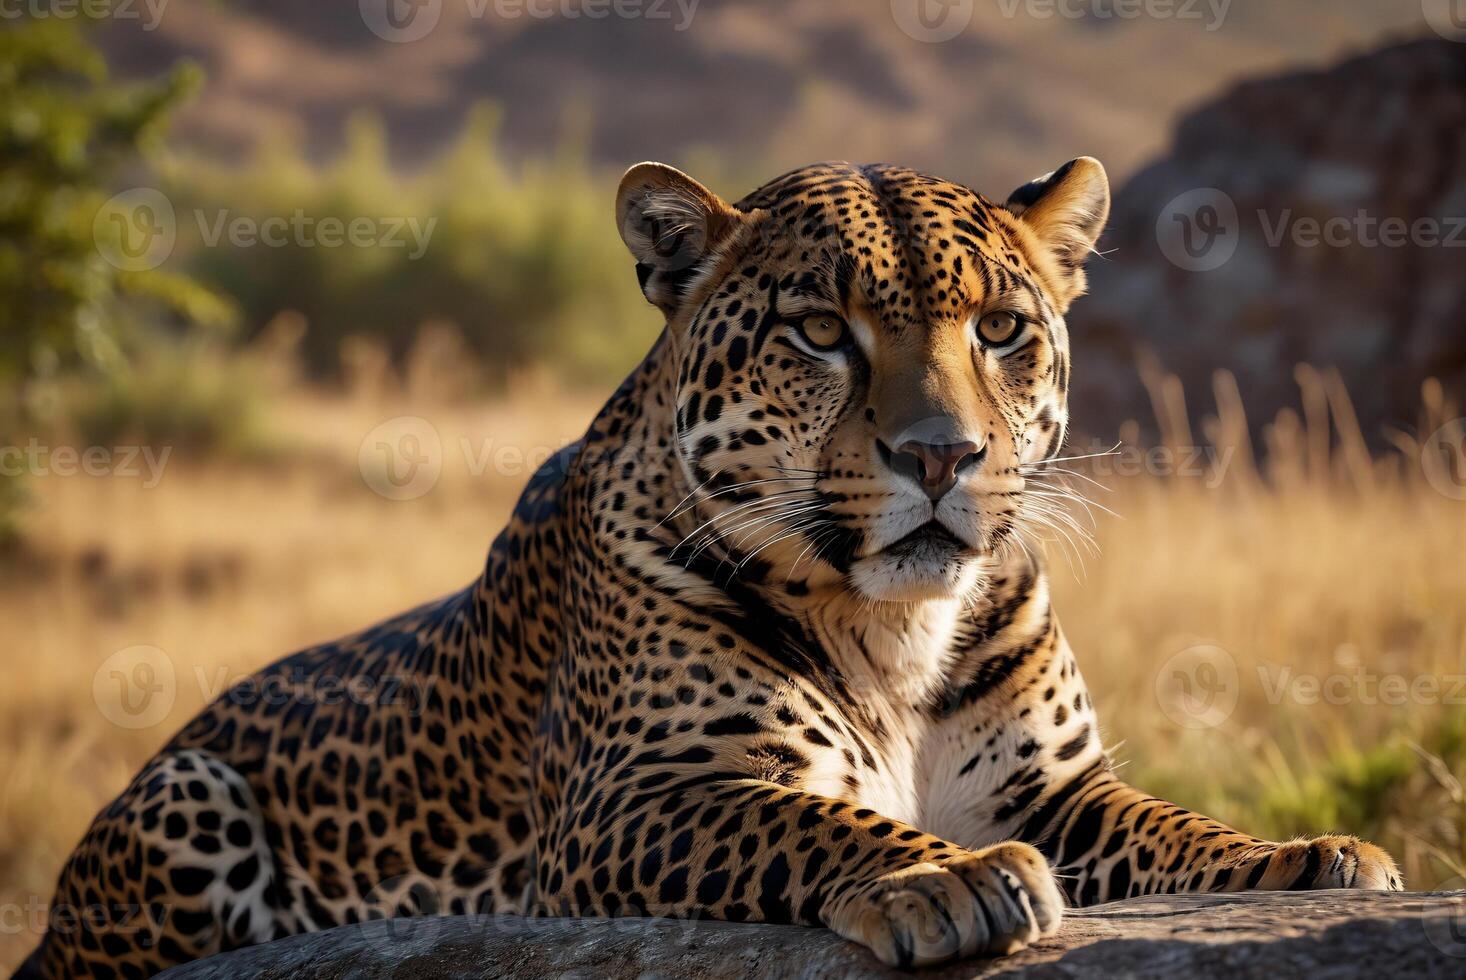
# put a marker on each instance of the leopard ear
(670, 223)
(1066, 210)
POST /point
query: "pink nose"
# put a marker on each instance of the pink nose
(938, 464)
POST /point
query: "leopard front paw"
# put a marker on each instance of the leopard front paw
(992, 902)
(1326, 862)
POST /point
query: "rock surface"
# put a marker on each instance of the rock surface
(1316, 217)
(1258, 934)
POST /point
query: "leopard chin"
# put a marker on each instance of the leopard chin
(928, 564)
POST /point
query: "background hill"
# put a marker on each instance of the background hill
(759, 84)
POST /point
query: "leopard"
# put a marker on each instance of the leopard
(770, 643)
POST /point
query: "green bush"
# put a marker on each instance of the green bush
(525, 260)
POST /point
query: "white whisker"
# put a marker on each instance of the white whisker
(734, 489)
(768, 516)
(1112, 451)
(775, 499)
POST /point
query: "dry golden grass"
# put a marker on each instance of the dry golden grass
(1280, 640)
(1344, 566)
(222, 568)
(1250, 600)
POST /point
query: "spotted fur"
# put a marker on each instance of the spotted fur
(765, 645)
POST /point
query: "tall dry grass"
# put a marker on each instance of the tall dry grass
(1276, 635)
(1302, 556)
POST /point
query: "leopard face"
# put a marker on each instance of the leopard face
(868, 358)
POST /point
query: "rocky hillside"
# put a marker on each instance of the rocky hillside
(1316, 217)
(987, 92)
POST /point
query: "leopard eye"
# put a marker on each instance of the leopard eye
(998, 328)
(824, 331)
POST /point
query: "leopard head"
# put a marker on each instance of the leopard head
(867, 363)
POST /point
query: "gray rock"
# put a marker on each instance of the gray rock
(1254, 934)
(1273, 163)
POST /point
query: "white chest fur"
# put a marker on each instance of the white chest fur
(894, 661)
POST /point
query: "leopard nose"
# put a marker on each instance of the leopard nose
(935, 465)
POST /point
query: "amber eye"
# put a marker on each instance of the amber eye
(998, 328)
(824, 331)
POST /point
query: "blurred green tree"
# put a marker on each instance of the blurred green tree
(68, 293)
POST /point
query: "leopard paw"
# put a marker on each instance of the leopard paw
(1326, 862)
(992, 902)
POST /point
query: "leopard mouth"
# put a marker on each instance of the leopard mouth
(930, 562)
(933, 540)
